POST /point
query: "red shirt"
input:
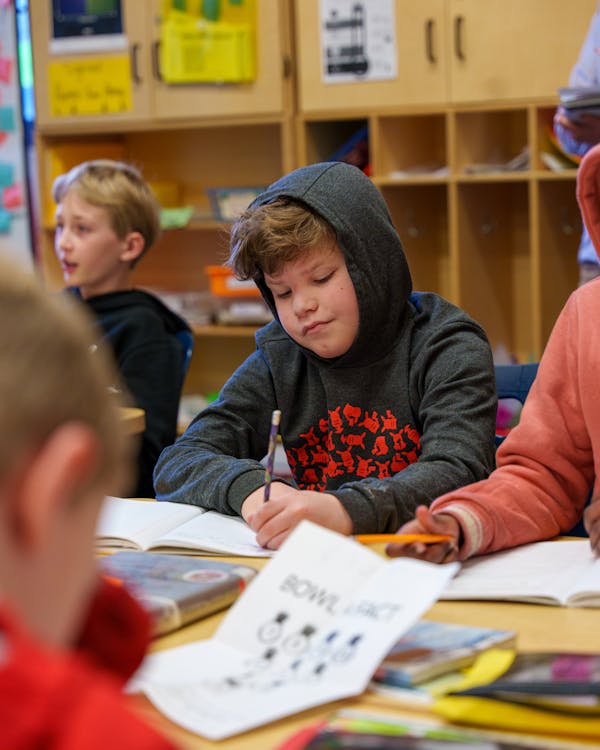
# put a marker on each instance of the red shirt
(72, 699)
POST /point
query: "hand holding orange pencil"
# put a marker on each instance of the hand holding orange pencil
(431, 537)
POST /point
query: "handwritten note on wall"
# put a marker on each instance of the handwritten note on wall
(90, 86)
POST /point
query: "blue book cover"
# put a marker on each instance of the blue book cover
(430, 649)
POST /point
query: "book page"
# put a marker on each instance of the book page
(136, 524)
(214, 533)
(543, 572)
(311, 628)
(585, 590)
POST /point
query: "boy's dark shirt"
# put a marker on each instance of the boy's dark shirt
(407, 413)
(141, 331)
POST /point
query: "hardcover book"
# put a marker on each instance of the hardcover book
(430, 649)
(177, 589)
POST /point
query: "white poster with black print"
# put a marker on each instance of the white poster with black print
(311, 628)
(358, 41)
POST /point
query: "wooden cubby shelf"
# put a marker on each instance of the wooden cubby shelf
(501, 244)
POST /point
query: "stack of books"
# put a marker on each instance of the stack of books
(578, 100)
(349, 729)
(546, 693)
(427, 661)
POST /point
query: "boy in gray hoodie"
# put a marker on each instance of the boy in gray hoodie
(387, 396)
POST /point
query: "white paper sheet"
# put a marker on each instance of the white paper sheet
(358, 40)
(311, 628)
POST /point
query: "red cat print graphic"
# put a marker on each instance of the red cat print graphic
(353, 444)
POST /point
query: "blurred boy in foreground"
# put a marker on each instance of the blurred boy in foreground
(68, 641)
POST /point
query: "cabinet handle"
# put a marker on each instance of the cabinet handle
(287, 67)
(135, 74)
(458, 27)
(156, 60)
(429, 24)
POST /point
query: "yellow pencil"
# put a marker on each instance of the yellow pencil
(402, 538)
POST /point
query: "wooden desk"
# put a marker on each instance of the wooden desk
(539, 628)
(134, 419)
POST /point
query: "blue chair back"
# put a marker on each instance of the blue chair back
(186, 339)
(514, 381)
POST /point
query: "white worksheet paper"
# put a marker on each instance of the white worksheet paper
(311, 628)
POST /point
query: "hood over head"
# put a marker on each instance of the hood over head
(346, 198)
(588, 193)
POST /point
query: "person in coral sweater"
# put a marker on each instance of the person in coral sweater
(550, 462)
(68, 639)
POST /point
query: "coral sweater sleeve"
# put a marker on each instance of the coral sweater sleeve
(546, 466)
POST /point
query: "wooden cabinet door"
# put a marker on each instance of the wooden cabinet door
(60, 97)
(265, 96)
(420, 35)
(514, 49)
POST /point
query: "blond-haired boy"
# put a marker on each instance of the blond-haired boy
(67, 641)
(107, 218)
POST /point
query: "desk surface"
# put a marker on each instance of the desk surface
(134, 419)
(539, 628)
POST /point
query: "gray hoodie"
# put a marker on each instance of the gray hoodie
(405, 415)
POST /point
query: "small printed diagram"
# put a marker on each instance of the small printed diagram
(300, 655)
(345, 51)
(357, 40)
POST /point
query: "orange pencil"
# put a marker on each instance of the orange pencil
(402, 538)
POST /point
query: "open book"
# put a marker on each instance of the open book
(311, 628)
(177, 589)
(560, 573)
(174, 527)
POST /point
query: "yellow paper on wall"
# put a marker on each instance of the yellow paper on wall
(194, 49)
(90, 86)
